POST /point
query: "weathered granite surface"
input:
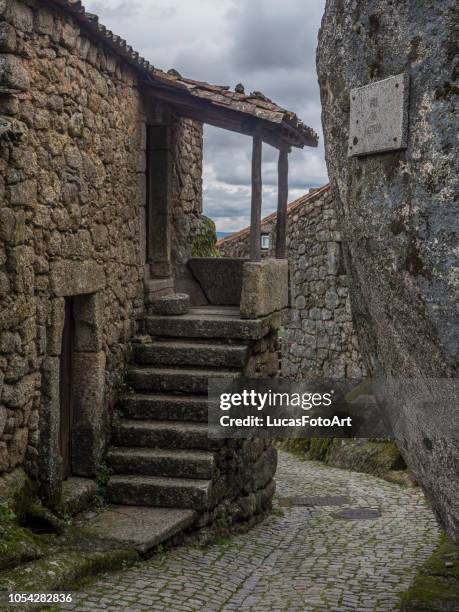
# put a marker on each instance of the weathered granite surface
(265, 287)
(398, 212)
(73, 121)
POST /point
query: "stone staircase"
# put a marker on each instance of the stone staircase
(161, 454)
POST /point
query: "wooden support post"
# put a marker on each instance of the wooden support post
(255, 212)
(282, 199)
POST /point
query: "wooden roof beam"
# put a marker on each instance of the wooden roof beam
(226, 118)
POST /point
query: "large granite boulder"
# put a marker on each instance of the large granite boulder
(399, 217)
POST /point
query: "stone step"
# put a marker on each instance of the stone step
(138, 526)
(194, 325)
(164, 407)
(175, 379)
(180, 353)
(172, 304)
(154, 491)
(163, 434)
(162, 462)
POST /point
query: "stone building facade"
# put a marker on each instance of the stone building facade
(101, 202)
(320, 341)
(72, 183)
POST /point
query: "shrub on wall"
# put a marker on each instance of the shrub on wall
(204, 243)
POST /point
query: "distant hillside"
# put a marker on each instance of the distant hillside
(221, 235)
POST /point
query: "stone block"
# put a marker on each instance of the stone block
(219, 278)
(19, 15)
(7, 224)
(332, 300)
(333, 258)
(55, 327)
(7, 38)
(45, 22)
(49, 458)
(88, 410)
(17, 447)
(171, 305)
(3, 418)
(4, 457)
(265, 287)
(69, 35)
(24, 194)
(12, 73)
(18, 394)
(88, 313)
(70, 277)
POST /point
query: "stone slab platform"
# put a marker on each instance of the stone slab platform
(140, 527)
(214, 322)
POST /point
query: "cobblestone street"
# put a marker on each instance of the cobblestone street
(300, 558)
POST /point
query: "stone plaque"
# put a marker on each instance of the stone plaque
(379, 116)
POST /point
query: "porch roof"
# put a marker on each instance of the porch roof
(251, 114)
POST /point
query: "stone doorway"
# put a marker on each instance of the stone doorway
(73, 411)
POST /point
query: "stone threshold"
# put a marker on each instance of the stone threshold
(116, 537)
(140, 527)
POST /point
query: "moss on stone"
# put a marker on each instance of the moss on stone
(296, 446)
(57, 554)
(436, 587)
(64, 570)
(446, 90)
(204, 243)
(378, 457)
(17, 544)
(370, 456)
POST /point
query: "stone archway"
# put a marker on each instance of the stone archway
(83, 283)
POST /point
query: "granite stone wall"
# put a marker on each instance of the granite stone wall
(399, 214)
(187, 146)
(72, 223)
(320, 340)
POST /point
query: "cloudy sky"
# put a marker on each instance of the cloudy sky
(268, 46)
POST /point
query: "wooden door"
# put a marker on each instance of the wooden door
(66, 375)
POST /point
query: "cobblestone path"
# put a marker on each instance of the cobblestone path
(300, 558)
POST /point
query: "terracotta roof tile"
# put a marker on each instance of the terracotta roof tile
(254, 104)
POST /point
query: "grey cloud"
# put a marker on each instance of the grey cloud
(269, 35)
(121, 10)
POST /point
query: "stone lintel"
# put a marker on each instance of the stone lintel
(76, 277)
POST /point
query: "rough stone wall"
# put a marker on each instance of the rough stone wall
(72, 221)
(187, 147)
(399, 213)
(244, 485)
(320, 340)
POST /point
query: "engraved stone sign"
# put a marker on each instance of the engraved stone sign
(379, 116)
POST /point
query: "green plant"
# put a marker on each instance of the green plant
(103, 476)
(6, 514)
(204, 243)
